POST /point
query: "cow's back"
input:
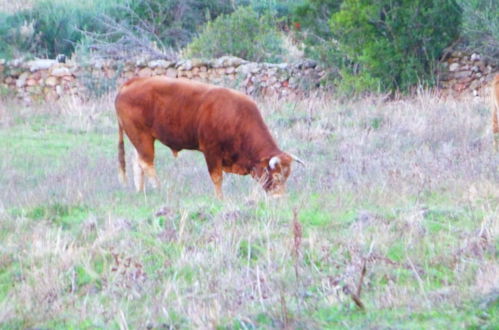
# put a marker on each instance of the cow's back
(167, 108)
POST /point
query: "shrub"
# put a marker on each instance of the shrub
(480, 30)
(393, 45)
(382, 45)
(174, 21)
(243, 33)
(49, 27)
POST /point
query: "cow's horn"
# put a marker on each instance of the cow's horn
(297, 159)
(274, 161)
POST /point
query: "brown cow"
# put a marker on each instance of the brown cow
(495, 110)
(225, 125)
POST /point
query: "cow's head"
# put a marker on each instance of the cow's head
(273, 172)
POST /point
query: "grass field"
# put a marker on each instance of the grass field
(396, 211)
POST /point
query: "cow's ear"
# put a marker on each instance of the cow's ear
(274, 161)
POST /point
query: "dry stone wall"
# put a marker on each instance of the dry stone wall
(49, 80)
(465, 73)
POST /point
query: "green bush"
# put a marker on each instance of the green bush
(480, 30)
(243, 33)
(383, 45)
(49, 27)
(393, 45)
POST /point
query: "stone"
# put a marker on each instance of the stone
(453, 66)
(36, 75)
(159, 71)
(145, 72)
(60, 72)
(140, 62)
(31, 82)
(185, 65)
(248, 68)
(51, 81)
(171, 72)
(462, 74)
(272, 80)
(475, 57)
(21, 80)
(159, 64)
(307, 64)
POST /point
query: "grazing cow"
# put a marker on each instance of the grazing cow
(225, 125)
(495, 110)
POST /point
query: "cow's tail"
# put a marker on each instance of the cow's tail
(121, 156)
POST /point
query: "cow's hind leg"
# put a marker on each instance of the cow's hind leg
(138, 173)
(144, 164)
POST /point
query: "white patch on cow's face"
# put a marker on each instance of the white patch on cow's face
(277, 173)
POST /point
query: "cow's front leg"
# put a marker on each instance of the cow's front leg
(216, 174)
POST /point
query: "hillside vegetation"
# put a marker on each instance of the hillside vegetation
(396, 211)
(366, 46)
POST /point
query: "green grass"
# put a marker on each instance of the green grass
(78, 251)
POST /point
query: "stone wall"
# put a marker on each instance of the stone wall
(48, 79)
(465, 73)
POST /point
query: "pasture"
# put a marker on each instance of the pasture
(396, 211)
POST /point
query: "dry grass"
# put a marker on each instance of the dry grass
(9, 6)
(396, 212)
